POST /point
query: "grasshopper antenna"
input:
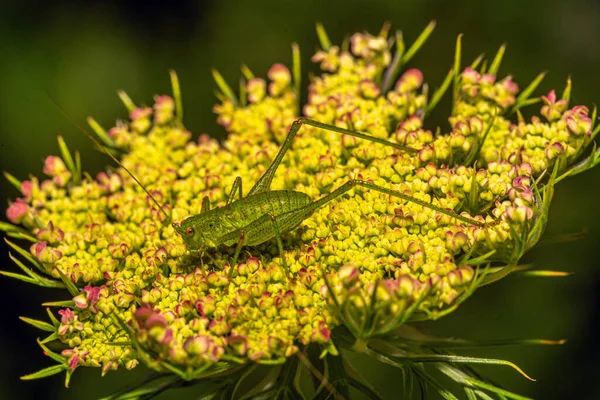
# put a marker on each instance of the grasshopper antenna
(101, 147)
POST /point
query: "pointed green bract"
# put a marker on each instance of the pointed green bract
(39, 324)
(68, 159)
(297, 73)
(62, 304)
(524, 96)
(248, 74)
(224, 87)
(393, 70)
(127, 102)
(176, 95)
(457, 70)
(439, 93)
(13, 181)
(566, 95)
(495, 66)
(418, 43)
(323, 38)
(46, 372)
(100, 132)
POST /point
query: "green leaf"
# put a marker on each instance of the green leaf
(176, 95)
(46, 372)
(323, 38)
(156, 383)
(129, 104)
(416, 46)
(224, 87)
(430, 380)
(39, 324)
(483, 385)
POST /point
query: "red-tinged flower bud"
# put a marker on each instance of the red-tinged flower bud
(50, 234)
(219, 327)
(368, 89)
(413, 247)
(44, 253)
(54, 166)
(522, 181)
(164, 106)
(426, 154)
(17, 211)
(518, 214)
(406, 285)
(348, 274)
(206, 306)
(143, 313)
(475, 124)
(322, 334)
(487, 79)
(469, 75)
(411, 80)
(242, 297)
(257, 90)
(253, 264)
(412, 123)
(579, 124)
(280, 73)
(140, 119)
(554, 150)
(238, 343)
(27, 189)
(455, 278)
(119, 251)
(510, 86)
(197, 345)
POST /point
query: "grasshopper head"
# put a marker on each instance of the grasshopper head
(191, 234)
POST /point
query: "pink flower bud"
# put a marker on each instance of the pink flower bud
(411, 80)
(348, 274)
(257, 90)
(368, 89)
(17, 211)
(197, 345)
(54, 166)
(280, 73)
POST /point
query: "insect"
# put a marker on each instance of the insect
(266, 214)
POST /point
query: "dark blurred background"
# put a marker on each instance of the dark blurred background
(82, 52)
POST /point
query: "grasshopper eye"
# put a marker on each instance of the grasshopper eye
(189, 231)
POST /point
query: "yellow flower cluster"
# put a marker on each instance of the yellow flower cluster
(367, 261)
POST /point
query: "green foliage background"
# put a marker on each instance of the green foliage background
(82, 52)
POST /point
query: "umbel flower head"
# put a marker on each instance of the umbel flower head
(474, 197)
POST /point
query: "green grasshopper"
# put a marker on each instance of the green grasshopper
(265, 214)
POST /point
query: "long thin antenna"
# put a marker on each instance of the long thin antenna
(99, 145)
